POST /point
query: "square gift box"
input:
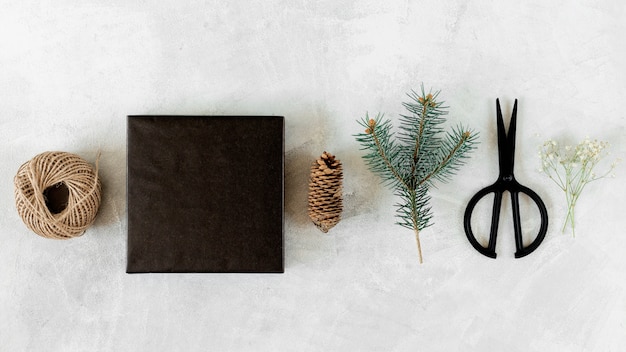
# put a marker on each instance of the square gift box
(205, 194)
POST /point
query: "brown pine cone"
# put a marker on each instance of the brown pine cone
(325, 192)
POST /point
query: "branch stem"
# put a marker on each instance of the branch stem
(443, 163)
(419, 245)
(417, 141)
(382, 154)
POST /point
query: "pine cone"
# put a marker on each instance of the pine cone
(325, 196)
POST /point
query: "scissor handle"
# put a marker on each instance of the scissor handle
(543, 228)
(498, 189)
(490, 250)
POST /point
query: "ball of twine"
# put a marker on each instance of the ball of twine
(50, 170)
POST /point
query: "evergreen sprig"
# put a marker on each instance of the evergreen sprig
(421, 154)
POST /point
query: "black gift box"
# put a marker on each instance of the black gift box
(205, 194)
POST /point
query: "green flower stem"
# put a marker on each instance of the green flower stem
(570, 218)
(571, 168)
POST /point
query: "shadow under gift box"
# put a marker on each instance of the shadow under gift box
(205, 194)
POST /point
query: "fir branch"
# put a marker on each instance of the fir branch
(414, 212)
(421, 129)
(419, 157)
(377, 139)
(452, 153)
(420, 132)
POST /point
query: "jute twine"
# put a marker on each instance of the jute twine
(54, 169)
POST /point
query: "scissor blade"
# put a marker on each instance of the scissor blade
(511, 135)
(502, 140)
(506, 141)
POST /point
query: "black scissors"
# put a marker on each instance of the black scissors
(506, 182)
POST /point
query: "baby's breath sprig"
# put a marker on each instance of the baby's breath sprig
(571, 168)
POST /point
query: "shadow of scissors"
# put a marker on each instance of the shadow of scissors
(506, 182)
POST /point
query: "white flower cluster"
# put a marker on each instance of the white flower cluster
(571, 168)
(582, 157)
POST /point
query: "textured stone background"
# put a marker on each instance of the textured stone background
(70, 71)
